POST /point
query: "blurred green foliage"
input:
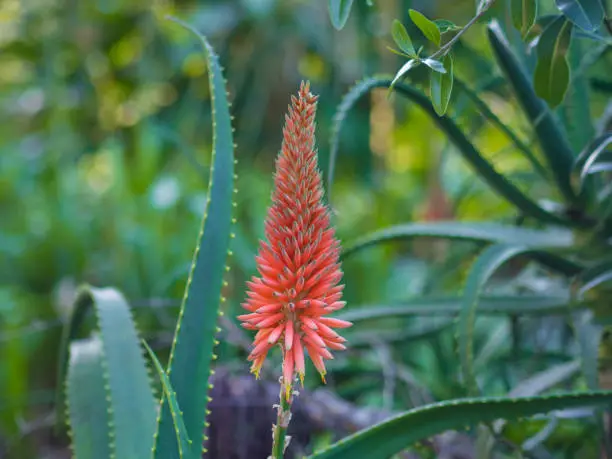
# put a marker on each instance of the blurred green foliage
(104, 153)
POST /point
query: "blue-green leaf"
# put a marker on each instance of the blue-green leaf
(339, 11)
(402, 39)
(183, 440)
(524, 13)
(129, 395)
(427, 27)
(467, 231)
(586, 14)
(588, 158)
(87, 401)
(192, 351)
(552, 73)
(484, 267)
(392, 436)
(441, 86)
(435, 65)
(529, 305)
(553, 140)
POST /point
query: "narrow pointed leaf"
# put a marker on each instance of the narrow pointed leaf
(553, 140)
(404, 69)
(427, 27)
(588, 158)
(483, 268)
(441, 86)
(402, 39)
(468, 231)
(528, 305)
(189, 366)
(524, 13)
(86, 399)
(184, 443)
(339, 11)
(392, 436)
(552, 73)
(132, 408)
(586, 14)
(468, 151)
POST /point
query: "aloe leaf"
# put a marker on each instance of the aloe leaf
(483, 268)
(131, 403)
(86, 399)
(529, 305)
(184, 443)
(482, 166)
(192, 352)
(396, 434)
(467, 231)
(339, 11)
(524, 13)
(586, 14)
(588, 158)
(428, 28)
(488, 114)
(552, 73)
(553, 140)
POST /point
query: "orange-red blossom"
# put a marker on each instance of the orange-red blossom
(298, 266)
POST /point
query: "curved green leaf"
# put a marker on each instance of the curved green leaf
(428, 28)
(524, 13)
(488, 114)
(483, 268)
(392, 436)
(441, 86)
(586, 14)
(131, 403)
(552, 73)
(402, 39)
(588, 157)
(339, 11)
(552, 139)
(189, 366)
(484, 168)
(468, 231)
(435, 65)
(86, 398)
(183, 440)
(531, 305)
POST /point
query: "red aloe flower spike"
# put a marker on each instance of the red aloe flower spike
(298, 263)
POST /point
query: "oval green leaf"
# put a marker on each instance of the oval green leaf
(552, 73)
(441, 86)
(402, 39)
(427, 27)
(396, 434)
(524, 13)
(339, 11)
(586, 14)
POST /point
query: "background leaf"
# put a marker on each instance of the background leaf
(586, 14)
(339, 11)
(427, 27)
(524, 14)
(389, 437)
(441, 86)
(552, 73)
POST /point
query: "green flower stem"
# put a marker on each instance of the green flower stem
(279, 435)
